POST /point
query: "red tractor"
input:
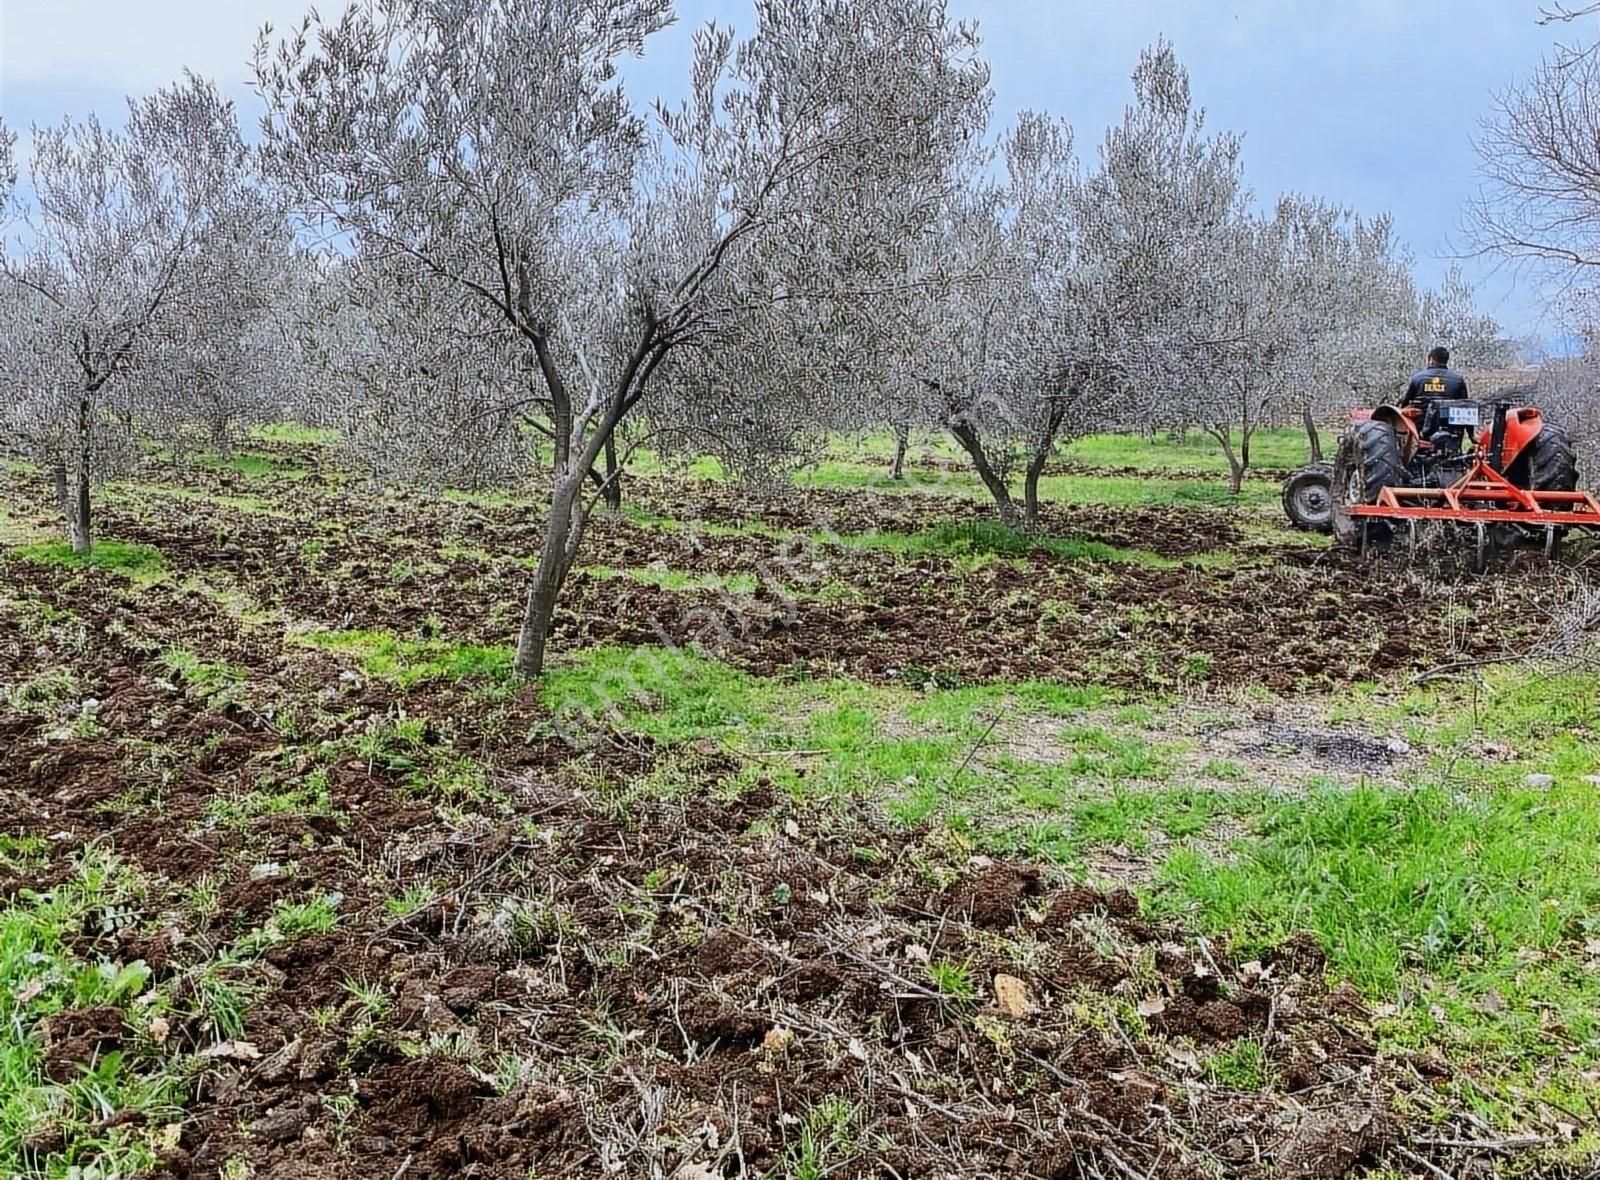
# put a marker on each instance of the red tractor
(1497, 467)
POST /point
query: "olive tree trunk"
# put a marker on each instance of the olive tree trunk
(902, 441)
(563, 534)
(998, 489)
(1313, 436)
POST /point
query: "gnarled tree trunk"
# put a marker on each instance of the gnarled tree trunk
(973, 445)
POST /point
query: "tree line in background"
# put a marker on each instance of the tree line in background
(458, 241)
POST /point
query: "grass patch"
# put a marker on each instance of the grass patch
(1195, 451)
(1466, 904)
(678, 581)
(245, 505)
(970, 538)
(215, 682)
(61, 1127)
(295, 434)
(135, 561)
(1116, 491)
(408, 662)
(306, 799)
(1425, 880)
(42, 694)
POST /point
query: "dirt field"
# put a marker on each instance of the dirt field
(300, 883)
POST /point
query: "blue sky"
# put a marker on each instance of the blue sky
(1372, 103)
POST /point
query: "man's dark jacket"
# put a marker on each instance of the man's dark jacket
(1435, 381)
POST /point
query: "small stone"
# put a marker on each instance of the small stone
(1592, 780)
(1011, 994)
(1540, 782)
(1399, 747)
(777, 1040)
(235, 1050)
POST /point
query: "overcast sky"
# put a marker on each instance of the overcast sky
(1373, 103)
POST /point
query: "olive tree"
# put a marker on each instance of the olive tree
(214, 375)
(114, 224)
(486, 148)
(1004, 345)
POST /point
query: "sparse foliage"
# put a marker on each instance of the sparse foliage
(482, 153)
(112, 283)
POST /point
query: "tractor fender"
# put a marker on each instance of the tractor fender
(1405, 429)
(1523, 424)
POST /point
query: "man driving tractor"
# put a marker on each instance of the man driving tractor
(1436, 380)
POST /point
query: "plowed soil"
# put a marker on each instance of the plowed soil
(596, 981)
(1280, 614)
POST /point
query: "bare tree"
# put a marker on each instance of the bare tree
(1540, 160)
(114, 223)
(487, 146)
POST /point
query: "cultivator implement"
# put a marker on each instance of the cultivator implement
(1484, 500)
(1496, 470)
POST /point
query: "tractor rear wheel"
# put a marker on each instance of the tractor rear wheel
(1552, 462)
(1308, 498)
(1368, 461)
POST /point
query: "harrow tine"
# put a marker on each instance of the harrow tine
(1481, 562)
(1552, 542)
(1412, 530)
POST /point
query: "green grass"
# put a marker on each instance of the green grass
(215, 682)
(42, 694)
(1468, 902)
(1241, 1066)
(60, 1127)
(1426, 879)
(136, 561)
(308, 798)
(1197, 451)
(1115, 491)
(409, 662)
(295, 434)
(257, 465)
(991, 538)
(245, 505)
(678, 580)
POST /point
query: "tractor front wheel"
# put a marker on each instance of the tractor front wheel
(1368, 461)
(1308, 498)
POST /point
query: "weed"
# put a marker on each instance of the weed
(1243, 1065)
(410, 901)
(41, 974)
(317, 915)
(406, 663)
(142, 562)
(215, 683)
(953, 980)
(44, 694)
